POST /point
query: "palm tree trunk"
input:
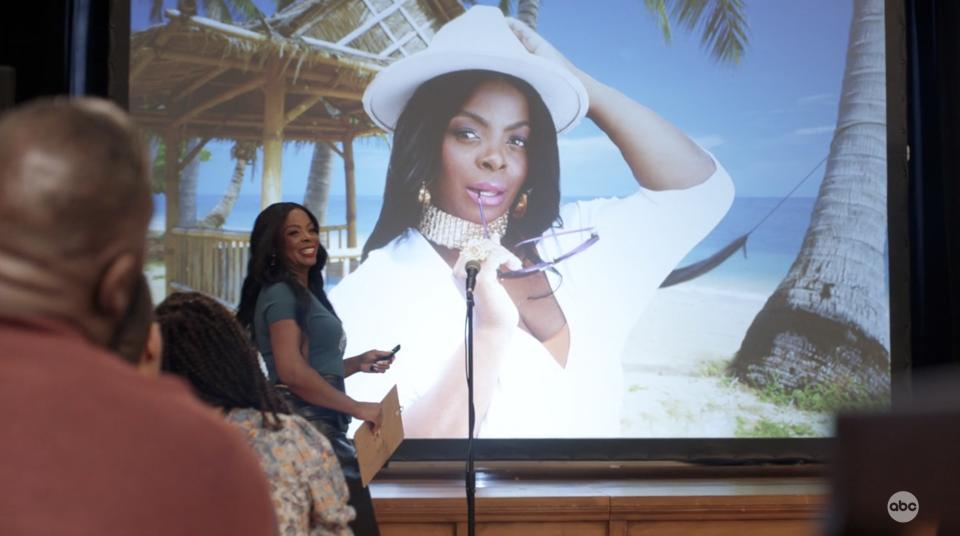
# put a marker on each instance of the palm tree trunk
(528, 11)
(827, 324)
(242, 153)
(188, 187)
(318, 182)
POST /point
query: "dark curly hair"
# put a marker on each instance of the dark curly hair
(204, 344)
(267, 266)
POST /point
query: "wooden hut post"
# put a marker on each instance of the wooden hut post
(171, 185)
(351, 187)
(273, 119)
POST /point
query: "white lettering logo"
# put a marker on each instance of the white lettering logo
(903, 506)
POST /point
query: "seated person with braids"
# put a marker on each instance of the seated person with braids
(204, 344)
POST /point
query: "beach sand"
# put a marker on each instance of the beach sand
(674, 369)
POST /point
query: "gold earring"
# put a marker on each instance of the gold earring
(424, 195)
(520, 209)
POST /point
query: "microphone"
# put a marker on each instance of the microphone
(473, 266)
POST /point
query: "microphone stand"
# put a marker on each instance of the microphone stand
(471, 476)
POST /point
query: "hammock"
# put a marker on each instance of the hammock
(695, 270)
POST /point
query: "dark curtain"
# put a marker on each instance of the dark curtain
(58, 47)
(33, 41)
(933, 100)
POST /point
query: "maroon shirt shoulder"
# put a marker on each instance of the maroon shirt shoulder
(90, 446)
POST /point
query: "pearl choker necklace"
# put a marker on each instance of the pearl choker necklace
(452, 232)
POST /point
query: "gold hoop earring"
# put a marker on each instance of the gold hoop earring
(520, 208)
(424, 195)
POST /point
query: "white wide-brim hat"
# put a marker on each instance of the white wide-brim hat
(478, 39)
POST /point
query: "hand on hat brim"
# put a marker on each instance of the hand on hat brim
(537, 45)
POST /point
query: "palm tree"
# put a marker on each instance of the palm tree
(826, 327)
(225, 11)
(317, 193)
(188, 175)
(318, 181)
(242, 152)
(188, 187)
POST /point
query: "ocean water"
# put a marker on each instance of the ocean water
(770, 250)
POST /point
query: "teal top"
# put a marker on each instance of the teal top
(327, 340)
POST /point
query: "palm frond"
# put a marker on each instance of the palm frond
(688, 12)
(723, 25)
(659, 10)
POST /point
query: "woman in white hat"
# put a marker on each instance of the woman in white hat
(474, 175)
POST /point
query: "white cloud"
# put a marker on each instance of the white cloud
(812, 131)
(819, 97)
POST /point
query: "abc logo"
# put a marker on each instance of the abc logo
(903, 506)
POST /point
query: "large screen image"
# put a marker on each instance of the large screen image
(678, 209)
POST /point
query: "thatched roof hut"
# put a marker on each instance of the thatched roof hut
(297, 75)
(201, 76)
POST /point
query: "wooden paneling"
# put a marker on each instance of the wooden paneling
(418, 529)
(572, 528)
(716, 508)
(723, 528)
(626, 507)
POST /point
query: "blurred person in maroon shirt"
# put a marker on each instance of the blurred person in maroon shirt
(138, 340)
(89, 445)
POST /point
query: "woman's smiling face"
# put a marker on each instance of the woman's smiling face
(483, 153)
(300, 240)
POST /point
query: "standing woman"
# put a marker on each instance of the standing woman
(302, 340)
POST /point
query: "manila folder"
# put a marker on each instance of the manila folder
(373, 450)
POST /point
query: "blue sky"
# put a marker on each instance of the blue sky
(769, 120)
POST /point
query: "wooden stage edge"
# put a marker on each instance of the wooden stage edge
(601, 498)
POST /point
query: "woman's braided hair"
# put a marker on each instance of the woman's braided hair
(203, 343)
